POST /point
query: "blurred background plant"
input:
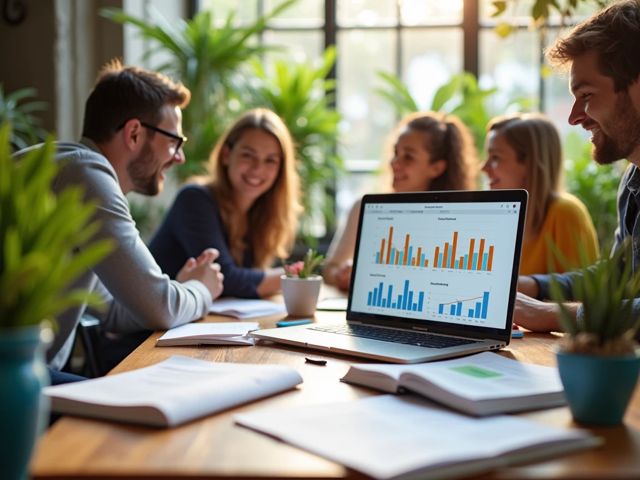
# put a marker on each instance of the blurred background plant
(19, 108)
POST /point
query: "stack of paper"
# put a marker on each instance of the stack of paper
(246, 308)
(171, 392)
(233, 333)
(387, 437)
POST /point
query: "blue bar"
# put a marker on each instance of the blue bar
(470, 313)
(399, 302)
(410, 301)
(409, 255)
(405, 295)
(384, 303)
(422, 260)
(485, 258)
(459, 309)
(448, 260)
(478, 310)
(379, 295)
(393, 256)
(420, 301)
(452, 309)
(466, 261)
(377, 257)
(485, 304)
(441, 308)
(400, 259)
(414, 307)
(374, 300)
(439, 260)
(369, 298)
(395, 305)
(389, 290)
(474, 265)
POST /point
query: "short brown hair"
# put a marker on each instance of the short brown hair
(614, 33)
(122, 93)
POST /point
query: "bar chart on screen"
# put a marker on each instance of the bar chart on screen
(476, 253)
(469, 307)
(395, 297)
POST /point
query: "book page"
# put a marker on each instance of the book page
(182, 388)
(488, 376)
(210, 330)
(245, 308)
(387, 436)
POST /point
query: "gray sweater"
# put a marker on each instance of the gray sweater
(137, 295)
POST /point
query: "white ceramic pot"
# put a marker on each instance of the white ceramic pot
(301, 294)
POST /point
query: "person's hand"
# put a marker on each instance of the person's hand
(204, 270)
(343, 276)
(528, 286)
(536, 315)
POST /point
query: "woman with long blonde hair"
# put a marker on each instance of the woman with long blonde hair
(524, 151)
(247, 208)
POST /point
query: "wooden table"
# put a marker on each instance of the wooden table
(214, 447)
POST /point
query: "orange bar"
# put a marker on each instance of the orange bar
(435, 258)
(461, 262)
(418, 256)
(426, 262)
(381, 258)
(453, 249)
(397, 258)
(472, 243)
(445, 255)
(413, 262)
(389, 245)
(479, 267)
(490, 258)
(405, 260)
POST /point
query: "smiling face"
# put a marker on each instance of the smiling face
(412, 165)
(252, 164)
(503, 167)
(147, 170)
(613, 118)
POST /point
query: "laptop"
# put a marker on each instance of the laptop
(434, 276)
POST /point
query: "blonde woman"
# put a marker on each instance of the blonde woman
(431, 151)
(524, 151)
(247, 208)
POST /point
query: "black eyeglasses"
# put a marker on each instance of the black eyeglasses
(180, 140)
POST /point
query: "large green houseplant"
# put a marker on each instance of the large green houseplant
(597, 356)
(46, 242)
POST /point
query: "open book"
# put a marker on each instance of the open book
(171, 392)
(245, 308)
(389, 437)
(481, 384)
(232, 333)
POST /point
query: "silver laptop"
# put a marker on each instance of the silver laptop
(434, 276)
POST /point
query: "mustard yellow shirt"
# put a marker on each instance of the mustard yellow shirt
(569, 225)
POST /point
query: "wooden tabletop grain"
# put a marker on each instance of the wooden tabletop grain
(214, 447)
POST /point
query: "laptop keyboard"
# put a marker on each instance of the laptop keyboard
(395, 336)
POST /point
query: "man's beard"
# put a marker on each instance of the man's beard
(625, 136)
(143, 171)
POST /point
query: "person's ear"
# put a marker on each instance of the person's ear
(132, 134)
(437, 168)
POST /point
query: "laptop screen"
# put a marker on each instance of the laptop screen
(447, 260)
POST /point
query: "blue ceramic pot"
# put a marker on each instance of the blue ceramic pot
(23, 410)
(598, 389)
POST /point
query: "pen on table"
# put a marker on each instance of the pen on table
(315, 361)
(291, 323)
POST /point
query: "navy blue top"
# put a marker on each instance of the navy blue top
(193, 224)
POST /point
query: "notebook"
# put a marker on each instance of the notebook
(434, 276)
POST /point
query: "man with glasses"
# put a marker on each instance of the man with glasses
(132, 135)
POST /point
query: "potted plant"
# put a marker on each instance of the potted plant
(301, 285)
(597, 356)
(45, 243)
